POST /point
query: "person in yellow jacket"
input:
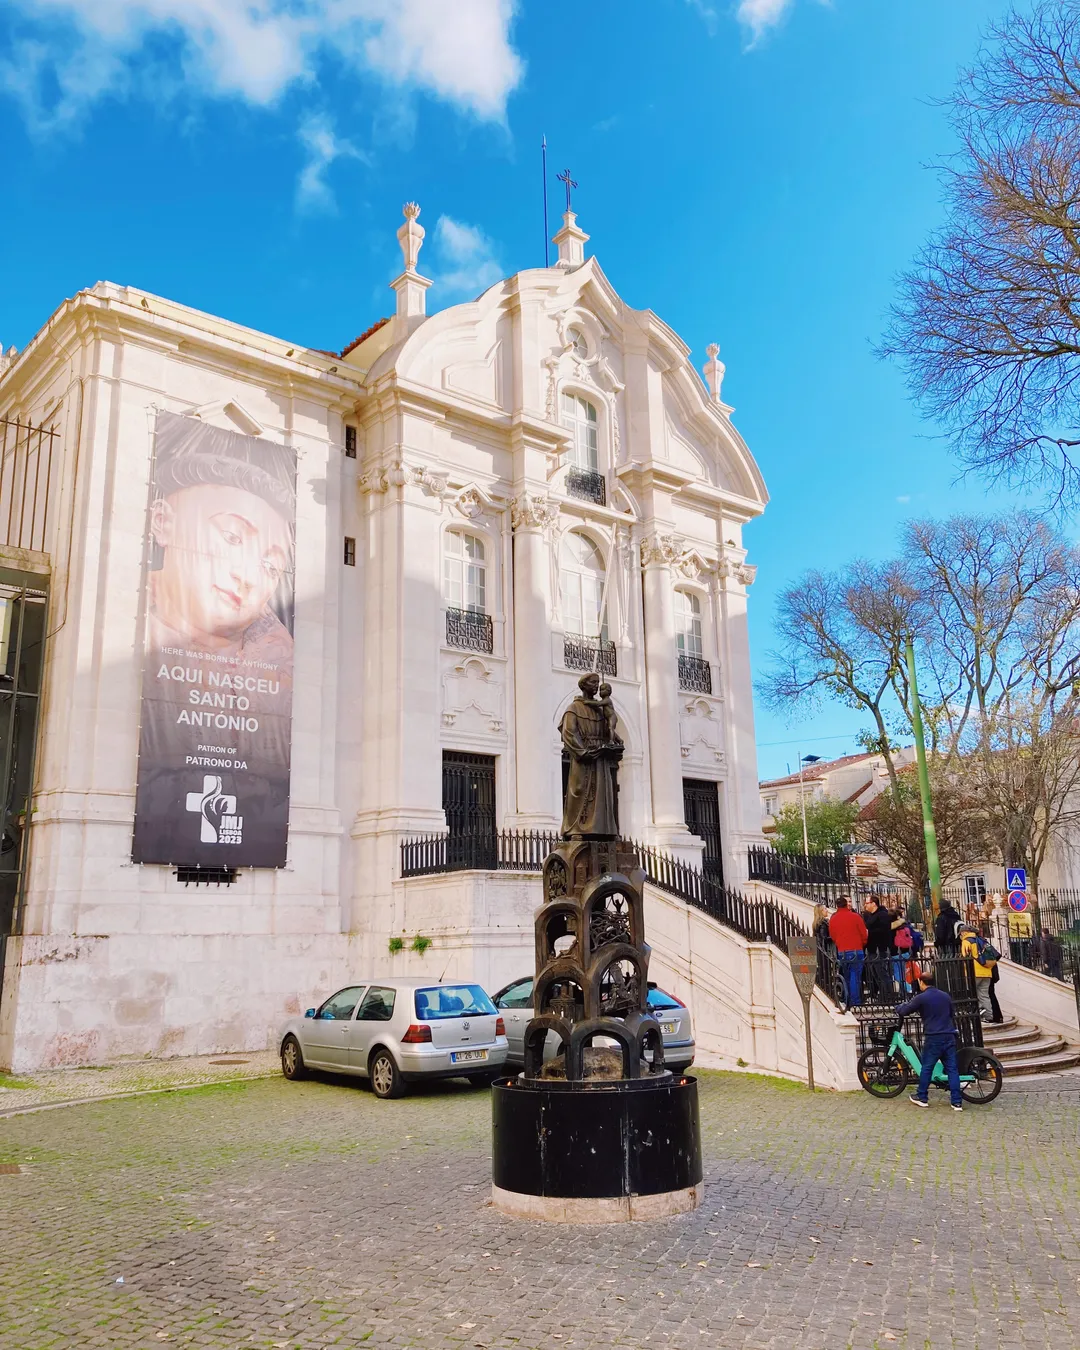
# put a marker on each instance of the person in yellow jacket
(971, 945)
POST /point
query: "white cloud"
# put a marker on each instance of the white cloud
(761, 15)
(466, 258)
(323, 145)
(707, 13)
(904, 500)
(457, 50)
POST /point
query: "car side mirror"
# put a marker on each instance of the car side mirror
(310, 1012)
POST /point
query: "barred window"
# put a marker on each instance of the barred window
(464, 572)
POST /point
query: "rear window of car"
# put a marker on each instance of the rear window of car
(658, 999)
(452, 1000)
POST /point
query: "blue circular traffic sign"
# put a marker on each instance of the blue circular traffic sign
(1018, 901)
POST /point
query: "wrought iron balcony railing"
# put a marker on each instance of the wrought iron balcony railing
(695, 674)
(589, 653)
(587, 484)
(469, 629)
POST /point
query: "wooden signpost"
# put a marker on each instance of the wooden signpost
(802, 953)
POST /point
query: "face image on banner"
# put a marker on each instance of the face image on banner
(216, 729)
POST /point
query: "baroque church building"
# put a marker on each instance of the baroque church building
(288, 636)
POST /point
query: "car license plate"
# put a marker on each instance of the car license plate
(466, 1056)
(669, 1028)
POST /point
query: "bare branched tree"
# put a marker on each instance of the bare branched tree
(988, 319)
(893, 823)
(992, 604)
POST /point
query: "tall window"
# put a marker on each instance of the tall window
(464, 573)
(582, 583)
(579, 416)
(688, 624)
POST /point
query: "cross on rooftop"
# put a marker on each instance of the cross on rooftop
(568, 182)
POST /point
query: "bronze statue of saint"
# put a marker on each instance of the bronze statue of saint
(588, 733)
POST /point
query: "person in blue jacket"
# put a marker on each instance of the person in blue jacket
(935, 1007)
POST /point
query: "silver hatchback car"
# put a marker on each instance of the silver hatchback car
(396, 1031)
(515, 1004)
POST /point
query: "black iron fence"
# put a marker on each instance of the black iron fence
(821, 877)
(481, 850)
(695, 674)
(28, 482)
(468, 629)
(881, 983)
(589, 653)
(587, 484)
(525, 850)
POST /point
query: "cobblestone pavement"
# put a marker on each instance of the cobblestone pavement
(296, 1216)
(58, 1087)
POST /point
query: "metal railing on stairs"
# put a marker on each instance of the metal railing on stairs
(756, 920)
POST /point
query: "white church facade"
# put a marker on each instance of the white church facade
(453, 519)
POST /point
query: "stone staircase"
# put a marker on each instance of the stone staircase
(1024, 1048)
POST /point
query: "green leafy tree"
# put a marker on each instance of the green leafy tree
(829, 823)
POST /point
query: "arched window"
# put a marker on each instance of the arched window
(579, 416)
(464, 572)
(688, 632)
(581, 575)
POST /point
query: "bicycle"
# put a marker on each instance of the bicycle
(885, 1070)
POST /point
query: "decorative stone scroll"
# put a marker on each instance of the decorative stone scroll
(533, 512)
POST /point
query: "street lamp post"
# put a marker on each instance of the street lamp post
(805, 759)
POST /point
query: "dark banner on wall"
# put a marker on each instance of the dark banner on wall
(214, 743)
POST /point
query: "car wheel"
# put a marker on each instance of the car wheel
(480, 1080)
(292, 1060)
(386, 1079)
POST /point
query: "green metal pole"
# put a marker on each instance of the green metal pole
(929, 833)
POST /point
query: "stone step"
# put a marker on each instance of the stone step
(1041, 1048)
(1003, 1028)
(1067, 1059)
(1009, 1036)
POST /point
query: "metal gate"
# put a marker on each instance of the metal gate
(701, 811)
(469, 802)
(22, 648)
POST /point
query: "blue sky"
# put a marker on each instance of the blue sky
(756, 171)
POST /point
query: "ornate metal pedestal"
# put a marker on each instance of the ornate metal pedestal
(596, 1134)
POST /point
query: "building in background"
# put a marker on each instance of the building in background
(851, 778)
(285, 610)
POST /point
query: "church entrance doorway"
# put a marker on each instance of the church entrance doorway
(701, 807)
(468, 793)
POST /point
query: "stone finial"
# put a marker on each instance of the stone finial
(7, 357)
(410, 286)
(411, 236)
(570, 242)
(714, 370)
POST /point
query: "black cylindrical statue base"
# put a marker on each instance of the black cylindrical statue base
(596, 1151)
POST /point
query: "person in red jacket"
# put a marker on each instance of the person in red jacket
(848, 932)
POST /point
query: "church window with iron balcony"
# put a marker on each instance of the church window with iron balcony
(584, 479)
(695, 673)
(468, 624)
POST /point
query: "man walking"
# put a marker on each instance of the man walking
(935, 1007)
(848, 933)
